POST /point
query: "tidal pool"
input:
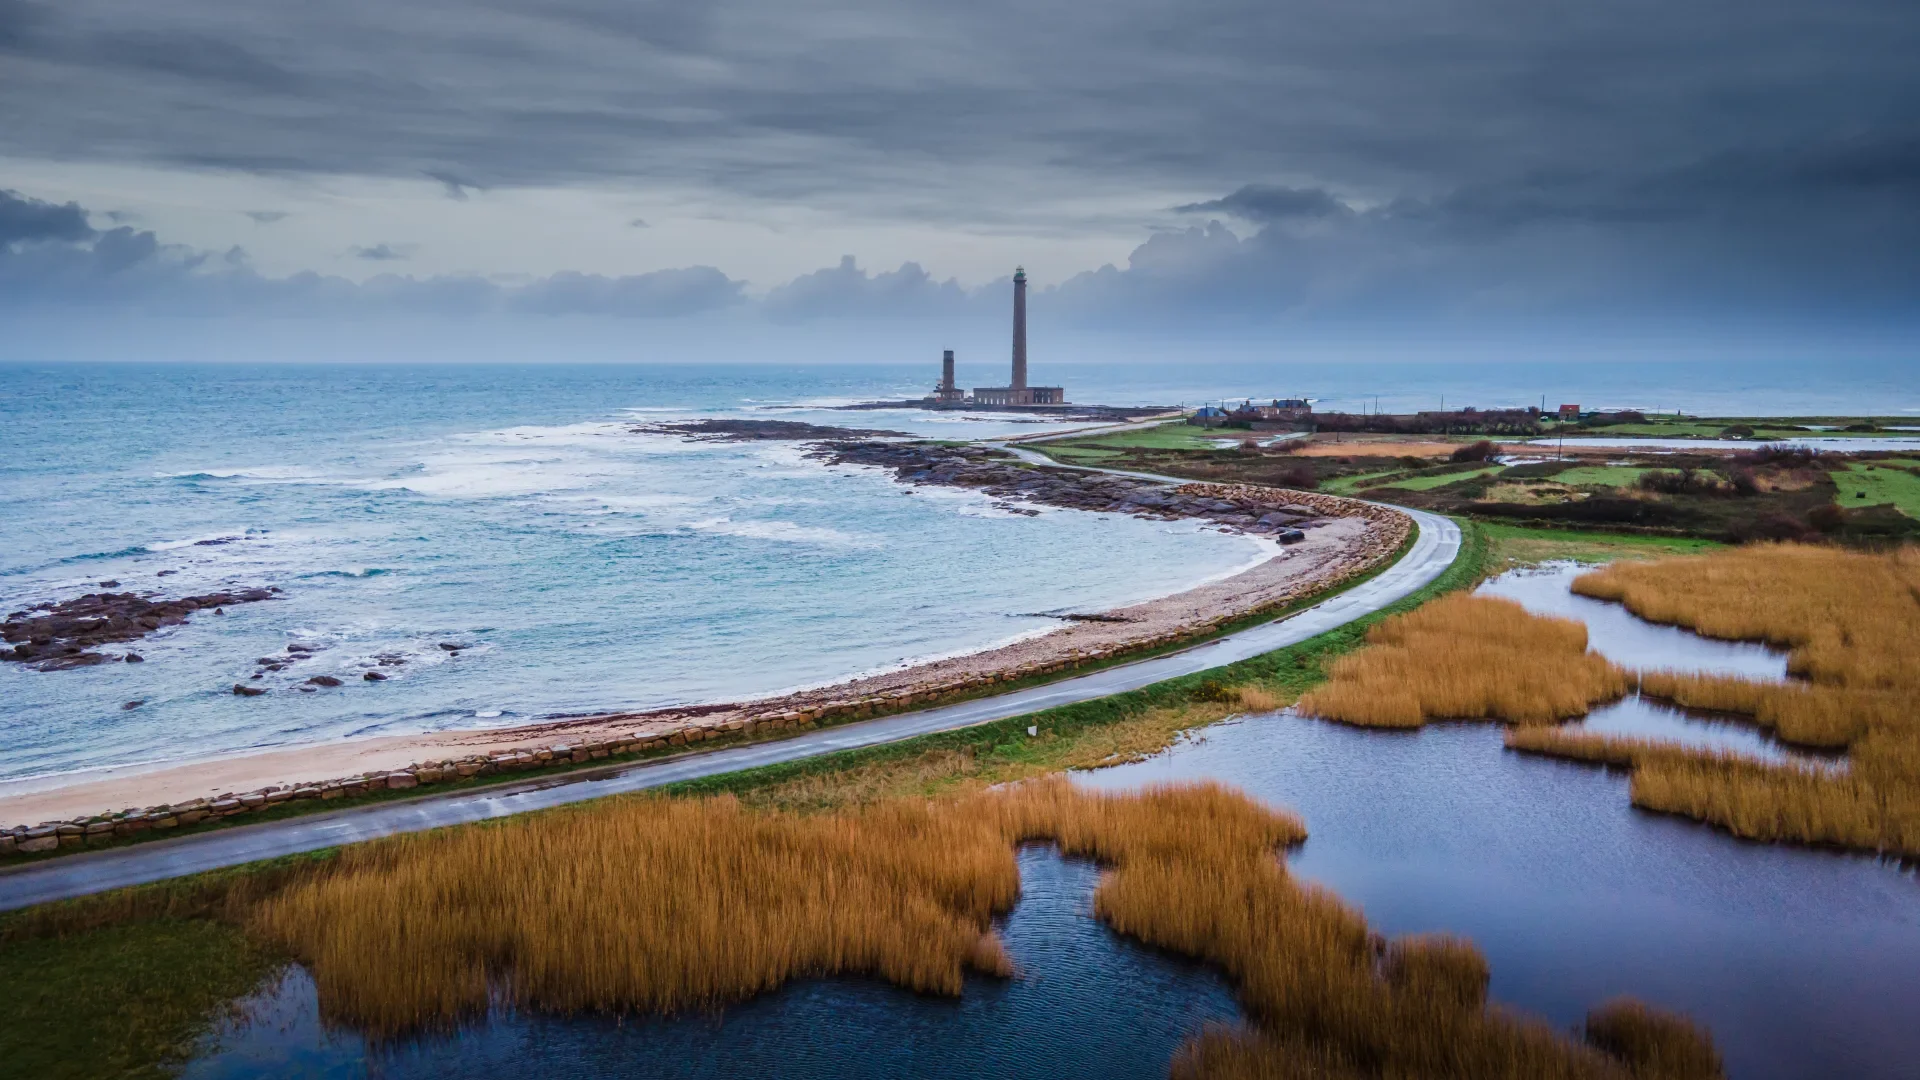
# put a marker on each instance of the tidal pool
(1802, 963)
(1615, 633)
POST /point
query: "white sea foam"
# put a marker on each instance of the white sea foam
(272, 473)
(606, 502)
(785, 532)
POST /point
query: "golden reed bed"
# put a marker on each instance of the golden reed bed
(657, 904)
(1466, 657)
(1851, 621)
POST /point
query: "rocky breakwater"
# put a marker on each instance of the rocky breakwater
(55, 637)
(1283, 515)
(1385, 525)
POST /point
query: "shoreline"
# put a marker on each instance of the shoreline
(1350, 537)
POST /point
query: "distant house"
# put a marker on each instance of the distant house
(1208, 416)
(1569, 413)
(1278, 409)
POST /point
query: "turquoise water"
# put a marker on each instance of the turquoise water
(512, 510)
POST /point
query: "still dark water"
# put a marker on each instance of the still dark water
(1085, 1003)
(1803, 963)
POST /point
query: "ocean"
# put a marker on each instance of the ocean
(511, 510)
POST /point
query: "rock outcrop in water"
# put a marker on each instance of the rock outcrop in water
(66, 634)
(1006, 478)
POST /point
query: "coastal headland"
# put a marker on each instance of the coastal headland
(1319, 541)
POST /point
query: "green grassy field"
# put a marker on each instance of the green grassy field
(1863, 485)
(127, 1001)
(1081, 455)
(1613, 476)
(1514, 545)
(1428, 483)
(1175, 435)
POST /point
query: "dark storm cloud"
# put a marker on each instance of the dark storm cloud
(849, 98)
(211, 61)
(18, 19)
(847, 291)
(1263, 203)
(1828, 229)
(455, 187)
(1471, 154)
(51, 260)
(24, 220)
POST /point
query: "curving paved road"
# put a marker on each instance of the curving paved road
(1433, 550)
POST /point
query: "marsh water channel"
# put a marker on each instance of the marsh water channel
(1803, 963)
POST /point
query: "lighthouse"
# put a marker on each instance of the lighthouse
(1018, 392)
(1019, 329)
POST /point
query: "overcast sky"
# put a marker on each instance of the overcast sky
(1226, 159)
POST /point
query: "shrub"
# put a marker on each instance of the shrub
(1597, 510)
(1214, 690)
(1779, 454)
(1775, 526)
(1479, 451)
(1608, 419)
(1685, 481)
(1827, 518)
(1299, 476)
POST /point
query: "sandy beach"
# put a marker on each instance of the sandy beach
(1353, 538)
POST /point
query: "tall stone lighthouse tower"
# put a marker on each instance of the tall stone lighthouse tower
(1019, 393)
(1019, 328)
